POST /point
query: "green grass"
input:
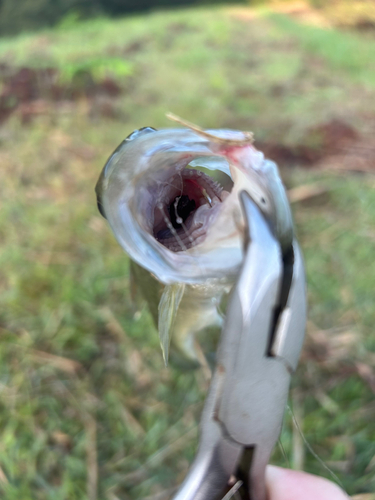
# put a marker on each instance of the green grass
(63, 278)
(344, 51)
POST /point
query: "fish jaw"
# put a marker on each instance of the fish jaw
(146, 164)
(260, 178)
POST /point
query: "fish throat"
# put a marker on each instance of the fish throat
(185, 208)
(180, 209)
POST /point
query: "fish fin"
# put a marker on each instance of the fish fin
(134, 292)
(168, 308)
(144, 287)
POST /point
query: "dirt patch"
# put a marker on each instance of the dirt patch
(32, 90)
(301, 11)
(354, 14)
(366, 25)
(304, 13)
(136, 46)
(357, 157)
(344, 149)
(332, 139)
(287, 156)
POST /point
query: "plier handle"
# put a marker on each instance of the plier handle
(258, 352)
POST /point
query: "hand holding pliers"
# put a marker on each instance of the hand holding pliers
(258, 352)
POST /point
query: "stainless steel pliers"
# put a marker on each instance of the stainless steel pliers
(258, 352)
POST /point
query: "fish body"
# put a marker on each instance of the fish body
(171, 198)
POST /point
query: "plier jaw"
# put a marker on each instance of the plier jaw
(258, 352)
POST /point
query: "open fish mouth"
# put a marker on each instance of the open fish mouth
(171, 198)
(186, 207)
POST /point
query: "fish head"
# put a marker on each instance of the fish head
(172, 199)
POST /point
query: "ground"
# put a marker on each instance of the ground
(88, 411)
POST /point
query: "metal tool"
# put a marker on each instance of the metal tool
(258, 352)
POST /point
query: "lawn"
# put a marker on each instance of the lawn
(87, 408)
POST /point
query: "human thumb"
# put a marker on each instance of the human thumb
(287, 484)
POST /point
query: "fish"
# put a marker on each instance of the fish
(172, 200)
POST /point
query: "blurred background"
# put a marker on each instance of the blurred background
(87, 408)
